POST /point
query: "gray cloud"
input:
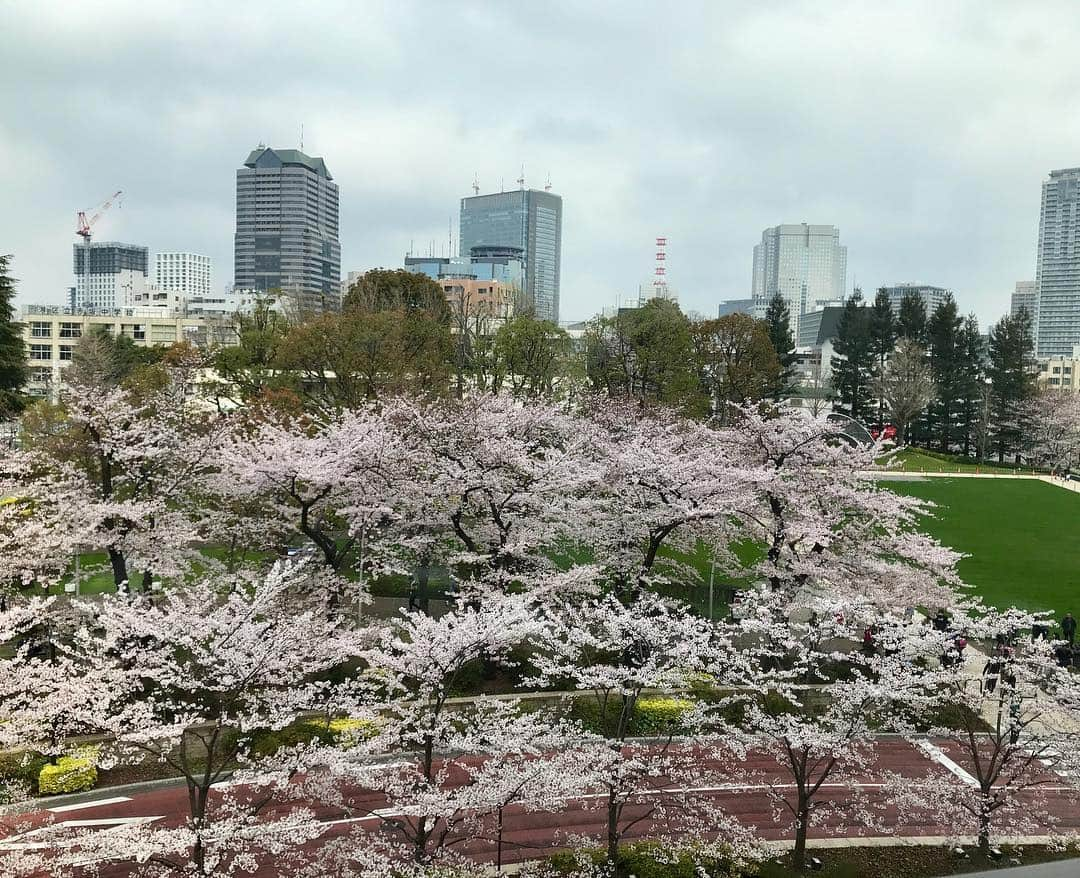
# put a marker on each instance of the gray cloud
(922, 130)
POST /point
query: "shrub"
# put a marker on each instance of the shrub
(70, 774)
(19, 770)
(348, 731)
(659, 716)
(652, 860)
(266, 742)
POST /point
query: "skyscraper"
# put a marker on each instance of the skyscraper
(287, 227)
(1057, 270)
(109, 274)
(1023, 297)
(530, 220)
(805, 264)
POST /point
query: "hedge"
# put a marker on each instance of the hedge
(70, 774)
(656, 716)
(19, 769)
(651, 860)
(338, 731)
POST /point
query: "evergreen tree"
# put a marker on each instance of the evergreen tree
(1012, 374)
(853, 365)
(13, 371)
(882, 341)
(943, 332)
(911, 319)
(971, 357)
(778, 321)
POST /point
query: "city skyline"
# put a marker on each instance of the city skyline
(915, 160)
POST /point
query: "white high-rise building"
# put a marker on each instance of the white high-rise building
(805, 264)
(1057, 271)
(108, 274)
(184, 273)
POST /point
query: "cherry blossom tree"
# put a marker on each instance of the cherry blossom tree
(132, 462)
(665, 482)
(334, 483)
(825, 523)
(613, 652)
(1010, 736)
(498, 481)
(189, 677)
(455, 767)
(821, 739)
(1053, 436)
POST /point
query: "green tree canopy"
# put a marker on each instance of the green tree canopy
(778, 323)
(13, 371)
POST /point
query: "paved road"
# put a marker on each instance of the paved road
(528, 835)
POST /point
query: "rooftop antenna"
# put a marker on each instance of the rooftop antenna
(521, 179)
(502, 184)
(449, 237)
(476, 184)
(301, 137)
(547, 185)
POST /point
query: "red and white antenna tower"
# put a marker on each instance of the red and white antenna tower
(660, 287)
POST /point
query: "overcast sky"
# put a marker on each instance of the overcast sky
(922, 131)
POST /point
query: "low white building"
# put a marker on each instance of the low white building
(1061, 373)
(51, 333)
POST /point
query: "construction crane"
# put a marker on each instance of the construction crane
(85, 224)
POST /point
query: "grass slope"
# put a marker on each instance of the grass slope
(1020, 534)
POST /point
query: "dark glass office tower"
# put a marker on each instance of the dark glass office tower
(287, 228)
(528, 219)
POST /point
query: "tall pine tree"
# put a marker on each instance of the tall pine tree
(971, 358)
(13, 371)
(1012, 374)
(882, 341)
(778, 321)
(853, 365)
(911, 318)
(943, 332)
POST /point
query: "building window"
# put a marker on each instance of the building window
(70, 330)
(41, 352)
(40, 330)
(41, 375)
(67, 352)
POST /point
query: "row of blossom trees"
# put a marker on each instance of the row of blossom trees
(564, 525)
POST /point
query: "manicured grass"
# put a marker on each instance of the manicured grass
(915, 460)
(1020, 534)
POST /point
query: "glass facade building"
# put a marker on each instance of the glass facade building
(287, 228)
(805, 264)
(1057, 270)
(527, 219)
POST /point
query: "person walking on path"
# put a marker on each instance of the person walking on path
(1068, 628)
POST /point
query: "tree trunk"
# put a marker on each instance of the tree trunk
(119, 566)
(147, 580)
(984, 825)
(802, 821)
(612, 829)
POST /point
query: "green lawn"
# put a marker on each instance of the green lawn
(1020, 534)
(915, 460)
